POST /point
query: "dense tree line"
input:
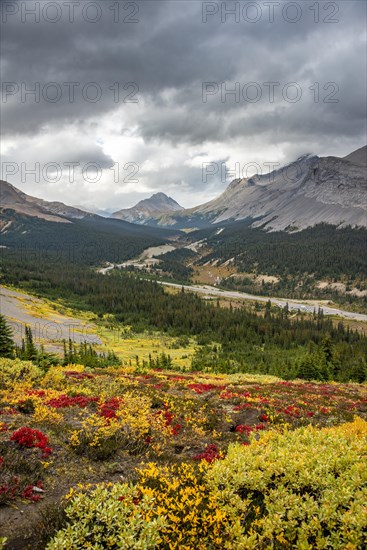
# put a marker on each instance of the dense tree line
(83, 354)
(176, 264)
(322, 250)
(272, 341)
(298, 259)
(300, 287)
(86, 355)
(90, 241)
(175, 270)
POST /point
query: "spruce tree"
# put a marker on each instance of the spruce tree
(307, 370)
(30, 348)
(6, 340)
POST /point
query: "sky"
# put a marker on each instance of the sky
(104, 103)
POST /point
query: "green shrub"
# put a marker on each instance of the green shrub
(304, 489)
(110, 516)
(15, 370)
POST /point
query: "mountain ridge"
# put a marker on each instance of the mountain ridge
(154, 207)
(305, 192)
(358, 157)
(12, 198)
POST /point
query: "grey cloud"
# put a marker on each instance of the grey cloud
(169, 54)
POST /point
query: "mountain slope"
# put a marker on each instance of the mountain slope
(307, 192)
(56, 231)
(14, 199)
(150, 209)
(358, 157)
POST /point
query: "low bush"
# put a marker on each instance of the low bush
(13, 371)
(110, 516)
(303, 489)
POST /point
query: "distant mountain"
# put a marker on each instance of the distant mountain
(55, 230)
(12, 198)
(307, 192)
(149, 210)
(94, 210)
(304, 193)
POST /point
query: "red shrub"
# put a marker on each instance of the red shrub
(292, 411)
(169, 417)
(210, 454)
(28, 492)
(27, 437)
(65, 401)
(201, 388)
(8, 491)
(242, 406)
(9, 411)
(244, 429)
(38, 393)
(108, 408)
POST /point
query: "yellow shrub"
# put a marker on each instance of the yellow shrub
(17, 393)
(75, 367)
(135, 413)
(54, 378)
(194, 519)
(14, 371)
(169, 508)
(44, 414)
(303, 489)
(98, 437)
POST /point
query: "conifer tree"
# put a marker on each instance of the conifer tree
(6, 340)
(30, 348)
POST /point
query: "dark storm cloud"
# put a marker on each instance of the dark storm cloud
(170, 47)
(169, 53)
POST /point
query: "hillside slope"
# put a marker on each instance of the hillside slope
(55, 230)
(304, 193)
(14, 199)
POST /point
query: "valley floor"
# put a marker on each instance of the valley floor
(307, 306)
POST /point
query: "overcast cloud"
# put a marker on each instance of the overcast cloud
(156, 121)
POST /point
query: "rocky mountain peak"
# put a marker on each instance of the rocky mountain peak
(149, 209)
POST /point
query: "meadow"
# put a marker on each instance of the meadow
(132, 457)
